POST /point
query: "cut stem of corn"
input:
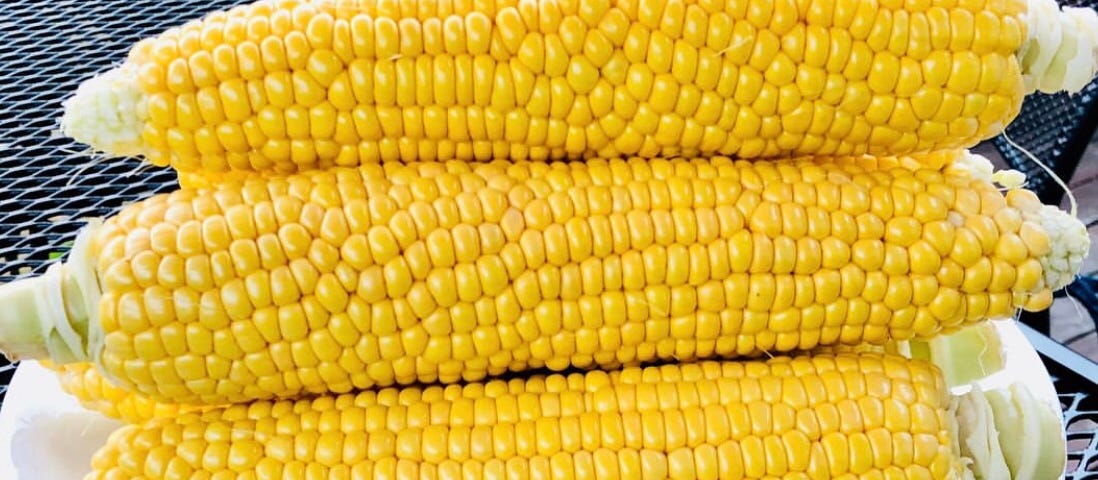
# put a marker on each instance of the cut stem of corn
(1016, 404)
(95, 393)
(821, 416)
(287, 85)
(397, 273)
(1062, 51)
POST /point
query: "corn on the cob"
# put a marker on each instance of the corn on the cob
(820, 417)
(396, 273)
(289, 85)
(95, 393)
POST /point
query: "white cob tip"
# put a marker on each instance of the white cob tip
(1061, 51)
(1069, 242)
(108, 113)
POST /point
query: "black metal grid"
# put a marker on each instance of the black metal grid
(1056, 129)
(47, 183)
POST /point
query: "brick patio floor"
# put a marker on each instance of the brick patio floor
(1071, 324)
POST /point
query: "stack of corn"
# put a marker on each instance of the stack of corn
(384, 193)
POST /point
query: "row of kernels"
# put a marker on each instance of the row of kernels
(849, 383)
(467, 263)
(731, 458)
(306, 135)
(405, 356)
(502, 33)
(817, 210)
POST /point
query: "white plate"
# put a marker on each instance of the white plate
(46, 435)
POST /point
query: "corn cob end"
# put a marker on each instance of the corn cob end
(107, 112)
(1006, 418)
(21, 334)
(1064, 242)
(1061, 52)
(1009, 433)
(48, 316)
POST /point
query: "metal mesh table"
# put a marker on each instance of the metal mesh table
(48, 183)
